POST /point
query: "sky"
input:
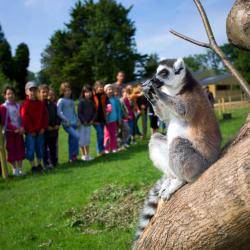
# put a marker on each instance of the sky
(34, 22)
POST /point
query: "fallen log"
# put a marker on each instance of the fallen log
(211, 213)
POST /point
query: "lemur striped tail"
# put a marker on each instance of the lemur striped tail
(149, 209)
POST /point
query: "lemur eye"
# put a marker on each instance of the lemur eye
(164, 73)
(178, 71)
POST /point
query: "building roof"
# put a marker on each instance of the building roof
(215, 79)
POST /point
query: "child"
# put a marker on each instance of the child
(86, 115)
(123, 134)
(66, 112)
(131, 115)
(113, 116)
(135, 96)
(153, 119)
(100, 104)
(11, 120)
(53, 99)
(142, 104)
(51, 134)
(34, 116)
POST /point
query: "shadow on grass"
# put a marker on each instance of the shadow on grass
(119, 156)
(66, 168)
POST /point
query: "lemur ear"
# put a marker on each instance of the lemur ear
(179, 65)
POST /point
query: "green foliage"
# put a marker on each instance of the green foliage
(1, 34)
(6, 65)
(240, 58)
(199, 61)
(31, 76)
(4, 81)
(192, 63)
(43, 77)
(96, 43)
(13, 69)
(209, 60)
(6, 62)
(21, 63)
(150, 65)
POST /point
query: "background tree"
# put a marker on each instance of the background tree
(6, 65)
(96, 43)
(43, 77)
(151, 64)
(240, 58)
(1, 34)
(210, 61)
(21, 64)
(198, 62)
(31, 76)
(192, 63)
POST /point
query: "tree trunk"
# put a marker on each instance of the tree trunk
(211, 213)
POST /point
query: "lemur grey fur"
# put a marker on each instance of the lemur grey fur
(193, 137)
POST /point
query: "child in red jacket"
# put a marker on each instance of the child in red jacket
(34, 116)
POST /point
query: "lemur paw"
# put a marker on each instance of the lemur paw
(164, 191)
(164, 194)
(157, 135)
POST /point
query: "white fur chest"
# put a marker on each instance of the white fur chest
(176, 128)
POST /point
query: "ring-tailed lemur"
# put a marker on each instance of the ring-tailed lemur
(193, 137)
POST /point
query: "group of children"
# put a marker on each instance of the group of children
(37, 119)
(31, 129)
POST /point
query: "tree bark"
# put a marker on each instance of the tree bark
(211, 213)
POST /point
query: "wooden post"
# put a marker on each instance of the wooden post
(219, 105)
(3, 155)
(223, 104)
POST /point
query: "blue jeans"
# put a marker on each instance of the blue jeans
(34, 144)
(73, 141)
(131, 124)
(100, 137)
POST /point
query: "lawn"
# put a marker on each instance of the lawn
(85, 205)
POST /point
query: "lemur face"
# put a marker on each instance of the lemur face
(169, 78)
(171, 74)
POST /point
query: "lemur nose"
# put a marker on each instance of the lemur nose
(157, 82)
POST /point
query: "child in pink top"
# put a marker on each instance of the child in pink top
(10, 114)
(131, 115)
(113, 117)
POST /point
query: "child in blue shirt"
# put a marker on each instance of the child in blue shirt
(66, 112)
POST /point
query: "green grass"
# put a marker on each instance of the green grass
(33, 208)
(229, 128)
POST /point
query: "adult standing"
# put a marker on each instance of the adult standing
(119, 84)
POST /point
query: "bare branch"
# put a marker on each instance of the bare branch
(213, 45)
(189, 39)
(205, 21)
